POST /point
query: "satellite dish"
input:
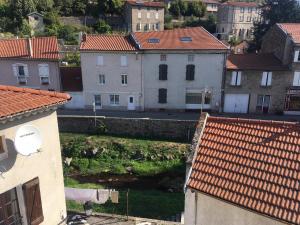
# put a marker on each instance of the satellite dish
(28, 140)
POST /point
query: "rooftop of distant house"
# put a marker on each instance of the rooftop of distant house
(292, 29)
(211, 2)
(15, 101)
(253, 164)
(241, 4)
(253, 61)
(145, 3)
(30, 48)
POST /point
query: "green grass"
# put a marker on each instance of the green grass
(147, 203)
(70, 182)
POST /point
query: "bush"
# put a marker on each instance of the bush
(81, 164)
(102, 27)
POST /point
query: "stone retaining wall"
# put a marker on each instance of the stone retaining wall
(181, 130)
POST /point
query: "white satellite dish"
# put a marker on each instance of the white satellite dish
(28, 140)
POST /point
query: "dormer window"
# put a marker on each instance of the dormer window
(153, 40)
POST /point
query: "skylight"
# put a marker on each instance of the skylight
(153, 40)
(185, 39)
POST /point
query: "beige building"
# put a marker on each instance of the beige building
(283, 40)
(31, 187)
(143, 16)
(237, 173)
(30, 62)
(256, 83)
(161, 70)
(236, 19)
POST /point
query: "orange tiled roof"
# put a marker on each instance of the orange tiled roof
(146, 3)
(107, 43)
(253, 164)
(15, 100)
(292, 29)
(170, 39)
(42, 48)
(241, 4)
(254, 61)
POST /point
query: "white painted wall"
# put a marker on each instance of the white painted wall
(112, 69)
(211, 211)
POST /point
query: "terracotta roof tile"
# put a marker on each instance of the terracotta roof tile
(200, 39)
(251, 163)
(107, 43)
(292, 29)
(15, 100)
(42, 48)
(254, 62)
(146, 3)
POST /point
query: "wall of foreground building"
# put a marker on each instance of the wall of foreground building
(211, 211)
(46, 165)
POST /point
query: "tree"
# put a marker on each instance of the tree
(196, 9)
(43, 6)
(25, 29)
(102, 27)
(175, 8)
(272, 12)
(110, 6)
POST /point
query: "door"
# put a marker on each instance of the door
(97, 100)
(236, 103)
(131, 104)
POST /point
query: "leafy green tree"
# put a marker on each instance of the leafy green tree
(175, 8)
(44, 5)
(25, 29)
(183, 6)
(80, 7)
(68, 33)
(102, 27)
(272, 12)
(197, 9)
(110, 6)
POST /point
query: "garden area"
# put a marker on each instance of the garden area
(152, 172)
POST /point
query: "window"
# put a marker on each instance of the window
(191, 58)
(3, 149)
(124, 79)
(123, 60)
(162, 95)
(248, 18)
(196, 98)
(102, 79)
(100, 60)
(241, 18)
(138, 26)
(266, 79)
(97, 100)
(33, 202)
(249, 10)
(163, 72)
(148, 15)
(263, 103)
(236, 78)
(157, 26)
(9, 208)
(139, 15)
(156, 15)
(297, 56)
(21, 72)
(296, 81)
(114, 99)
(190, 72)
(163, 57)
(44, 73)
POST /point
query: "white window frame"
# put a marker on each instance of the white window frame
(148, 15)
(242, 10)
(101, 79)
(139, 15)
(163, 57)
(297, 56)
(44, 75)
(236, 78)
(124, 60)
(114, 97)
(97, 106)
(156, 15)
(124, 79)
(242, 18)
(100, 60)
(139, 26)
(266, 79)
(3, 155)
(21, 78)
(296, 81)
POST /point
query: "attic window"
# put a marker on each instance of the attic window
(186, 39)
(153, 40)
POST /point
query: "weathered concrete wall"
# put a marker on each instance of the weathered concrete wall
(148, 128)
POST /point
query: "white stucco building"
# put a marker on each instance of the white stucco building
(166, 70)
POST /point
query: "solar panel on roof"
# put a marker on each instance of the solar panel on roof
(153, 40)
(186, 39)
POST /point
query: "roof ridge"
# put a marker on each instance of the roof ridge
(35, 91)
(25, 38)
(248, 120)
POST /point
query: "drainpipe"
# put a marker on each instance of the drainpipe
(223, 83)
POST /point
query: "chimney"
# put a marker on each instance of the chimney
(83, 39)
(30, 47)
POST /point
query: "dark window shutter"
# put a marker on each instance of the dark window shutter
(190, 72)
(162, 95)
(33, 202)
(163, 72)
(2, 139)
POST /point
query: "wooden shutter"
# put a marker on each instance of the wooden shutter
(162, 95)
(100, 60)
(269, 81)
(123, 60)
(26, 70)
(15, 70)
(163, 72)
(33, 202)
(190, 72)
